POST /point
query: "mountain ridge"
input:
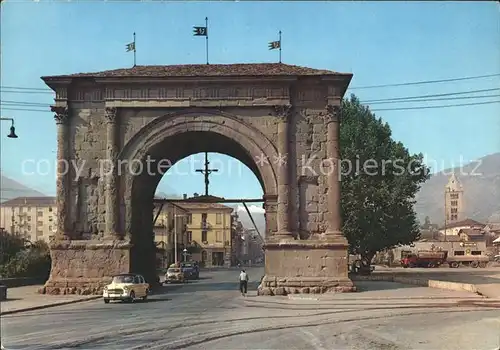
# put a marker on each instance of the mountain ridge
(481, 184)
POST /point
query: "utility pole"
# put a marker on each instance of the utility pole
(445, 213)
(206, 172)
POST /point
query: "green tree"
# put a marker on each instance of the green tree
(379, 181)
(29, 260)
(10, 245)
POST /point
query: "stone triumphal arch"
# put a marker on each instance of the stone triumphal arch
(279, 120)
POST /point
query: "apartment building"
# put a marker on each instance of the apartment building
(170, 229)
(209, 230)
(34, 218)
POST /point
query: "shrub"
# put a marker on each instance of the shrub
(33, 261)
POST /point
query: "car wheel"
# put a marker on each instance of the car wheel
(106, 301)
(132, 297)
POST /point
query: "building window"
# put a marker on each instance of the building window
(29, 227)
(218, 236)
(29, 218)
(459, 252)
(29, 208)
(204, 236)
(218, 218)
(190, 218)
(50, 208)
(189, 235)
(40, 213)
(454, 210)
(39, 223)
(50, 228)
(454, 196)
(453, 217)
(50, 218)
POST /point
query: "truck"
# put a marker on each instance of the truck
(424, 258)
(468, 260)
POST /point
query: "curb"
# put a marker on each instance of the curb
(46, 306)
(301, 298)
(438, 284)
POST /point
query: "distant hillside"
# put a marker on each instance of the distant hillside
(257, 215)
(11, 189)
(481, 191)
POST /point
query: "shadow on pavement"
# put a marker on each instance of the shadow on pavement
(10, 299)
(367, 286)
(154, 299)
(214, 286)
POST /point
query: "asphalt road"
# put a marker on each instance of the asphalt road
(210, 314)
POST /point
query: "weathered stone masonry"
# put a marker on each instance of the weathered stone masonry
(275, 111)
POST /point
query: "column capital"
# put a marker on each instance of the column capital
(110, 114)
(283, 112)
(61, 114)
(332, 114)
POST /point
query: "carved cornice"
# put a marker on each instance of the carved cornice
(61, 114)
(283, 112)
(110, 114)
(332, 114)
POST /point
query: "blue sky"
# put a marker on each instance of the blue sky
(381, 43)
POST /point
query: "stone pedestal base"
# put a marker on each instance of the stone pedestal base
(306, 267)
(85, 267)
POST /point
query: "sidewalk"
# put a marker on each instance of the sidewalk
(483, 282)
(26, 299)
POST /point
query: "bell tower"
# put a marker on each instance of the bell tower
(453, 201)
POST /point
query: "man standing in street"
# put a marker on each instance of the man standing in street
(243, 282)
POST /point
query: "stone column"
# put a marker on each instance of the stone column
(283, 113)
(334, 218)
(61, 117)
(112, 199)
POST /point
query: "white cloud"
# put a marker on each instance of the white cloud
(251, 208)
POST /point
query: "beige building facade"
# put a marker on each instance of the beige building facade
(454, 201)
(209, 230)
(34, 218)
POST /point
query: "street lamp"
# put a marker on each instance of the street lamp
(175, 234)
(12, 134)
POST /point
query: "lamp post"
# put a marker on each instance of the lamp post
(184, 253)
(12, 134)
(175, 234)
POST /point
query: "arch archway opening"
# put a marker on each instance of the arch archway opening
(162, 159)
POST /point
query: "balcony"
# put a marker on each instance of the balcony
(205, 225)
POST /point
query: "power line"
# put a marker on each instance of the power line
(434, 99)
(26, 92)
(432, 95)
(429, 107)
(48, 90)
(24, 88)
(424, 82)
(419, 98)
(8, 102)
(25, 110)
